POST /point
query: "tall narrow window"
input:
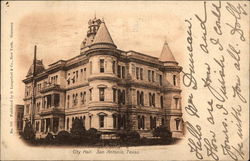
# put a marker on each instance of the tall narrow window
(119, 96)
(153, 100)
(150, 99)
(84, 74)
(142, 99)
(90, 121)
(139, 122)
(141, 73)
(177, 123)
(176, 102)
(123, 97)
(90, 94)
(138, 98)
(114, 95)
(174, 80)
(101, 121)
(113, 66)
(161, 101)
(137, 73)
(149, 75)
(114, 121)
(160, 80)
(67, 123)
(153, 76)
(101, 65)
(123, 71)
(101, 94)
(119, 71)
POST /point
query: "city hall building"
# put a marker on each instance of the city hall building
(106, 88)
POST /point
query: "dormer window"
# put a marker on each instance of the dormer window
(101, 65)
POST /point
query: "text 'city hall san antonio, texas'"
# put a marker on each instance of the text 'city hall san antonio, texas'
(107, 88)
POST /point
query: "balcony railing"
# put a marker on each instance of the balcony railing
(50, 86)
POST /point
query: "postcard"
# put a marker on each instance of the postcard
(125, 80)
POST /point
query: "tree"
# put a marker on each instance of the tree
(28, 132)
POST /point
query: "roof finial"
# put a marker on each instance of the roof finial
(165, 40)
(103, 20)
(95, 15)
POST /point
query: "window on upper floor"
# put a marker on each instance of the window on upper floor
(68, 101)
(174, 80)
(161, 101)
(119, 71)
(90, 94)
(84, 74)
(114, 95)
(142, 99)
(160, 79)
(68, 79)
(123, 71)
(101, 94)
(153, 76)
(137, 73)
(138, 98)
(113, 66)
(101, 65)
(149, 75)
(141, 73)
(176, 102)
(27, 109)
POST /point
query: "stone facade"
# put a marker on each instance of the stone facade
(107, 88)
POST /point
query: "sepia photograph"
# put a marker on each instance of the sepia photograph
(117, 80)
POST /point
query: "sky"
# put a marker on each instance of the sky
(58, 28)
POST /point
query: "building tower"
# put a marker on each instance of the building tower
(93, 27)
(171, 76)
(103, 80)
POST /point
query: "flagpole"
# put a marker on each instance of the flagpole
(34, 88)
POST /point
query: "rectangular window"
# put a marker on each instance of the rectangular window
(101, 121)
(114, 121)
(114, 95)
(137, 73)
(90, 94)
(101, 65)
(119, 71)
(174, 80)
(76, 75)
(176, 102)
(113, 67)
(84, 74)
(123, 97)
(101, 94)
(123, 71)
(160, 79)
(153, 76)
(161, 101)
(142, 98)
(138, 98)
(119, 96)
(141, 73)
(153, 100)
(149, 75)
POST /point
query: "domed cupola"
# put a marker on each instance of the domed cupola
(39, 68)
(103, 38)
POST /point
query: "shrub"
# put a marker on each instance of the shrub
(63, 137)
(128, 135)
(93, 133)
(162, 132)
(28, 132)
(49, 138)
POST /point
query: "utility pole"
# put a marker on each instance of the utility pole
(34, 88)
